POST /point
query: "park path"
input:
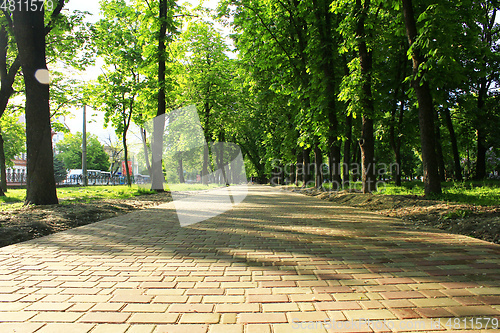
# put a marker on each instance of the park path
(278, 262)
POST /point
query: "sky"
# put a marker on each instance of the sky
(95, 119)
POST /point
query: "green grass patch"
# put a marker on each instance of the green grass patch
(78, 194)
(484, 193)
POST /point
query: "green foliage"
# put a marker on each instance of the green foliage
(13, 134)
(70, 152)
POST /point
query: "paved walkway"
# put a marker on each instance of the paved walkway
(279, 262)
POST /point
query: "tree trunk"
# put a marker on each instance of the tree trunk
(347, 151)
(367, 142)
(299, 169)
(425, 107)
(480, 135)
(220, 161)
(180, 168)
(454, 145)
(480, 155)
(204, 172)
(3, 175)
(157, 178)
(30, 36)
(306, 159)
(367, 145)
(318, 162)
(439, 149)
(334, 161)
(125, 153)
(324, 17)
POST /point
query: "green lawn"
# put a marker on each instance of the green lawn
(484, 193)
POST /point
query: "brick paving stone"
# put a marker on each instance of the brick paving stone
(105, 317)
(65, 328)
(141, 328)
(299, 327)
(405, 313)
(401, 295)
(58, 317)
(226, 328)
(145, 308)
(48, 306)
(262, 318)
(199, 318)
(196, 308)
(111, 328)
(279, 307)
(20, 327)
(468, 311)
(323, 306)
(251, 270)
(237, 308)
(20, 316)
(434, 312)
(153, 318)
(181, 329)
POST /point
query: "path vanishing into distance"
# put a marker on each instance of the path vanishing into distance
(277, 262)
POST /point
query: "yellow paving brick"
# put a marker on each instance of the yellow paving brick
(13, 306)
(145, 308)
(307, 316)
(48, 306)
(279, 307)
(181, 328)
(434, 302)
(16, 316)
(369, 314)
(312, 327)
(200, 318)
(65, 328)
(220, 328)
(154, 318)
(136, 328)
(110, 328)
(104, 317)
(257, 328)
(57, 317)
(228, 318)
(224, 299)
(19, 327)
(350, 297)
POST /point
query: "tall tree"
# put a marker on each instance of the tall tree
(119, 42)
(426, 110)
(29, 30)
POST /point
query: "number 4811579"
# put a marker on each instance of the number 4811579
(26, 5)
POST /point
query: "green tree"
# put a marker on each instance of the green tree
(12, 142)
(207, 82)
(60, 171)
(119, 42)
(70, 152)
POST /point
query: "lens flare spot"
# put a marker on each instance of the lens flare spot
(43, 76)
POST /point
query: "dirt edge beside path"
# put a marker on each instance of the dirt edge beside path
(31, 222)
(482, 222)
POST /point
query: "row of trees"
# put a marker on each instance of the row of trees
(356, 82)
(359, 81)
